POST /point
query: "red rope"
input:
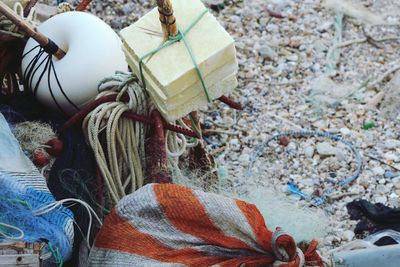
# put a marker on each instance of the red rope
(29, 6)
(80, 116)
(157, 167)
(230, 102)
(83, 5)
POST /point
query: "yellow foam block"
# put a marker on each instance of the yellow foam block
(170, 103)
(225, 86)
(171, 69)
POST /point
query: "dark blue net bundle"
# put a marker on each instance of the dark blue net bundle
(73, 175)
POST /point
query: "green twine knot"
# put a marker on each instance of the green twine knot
(175, 38)
(171, 40)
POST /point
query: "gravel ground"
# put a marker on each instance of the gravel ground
(281, 86)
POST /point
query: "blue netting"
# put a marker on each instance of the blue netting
(16, 209)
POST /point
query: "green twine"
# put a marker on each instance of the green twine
(173, 39)
(56, 254)
(18, 202)
(194, 126)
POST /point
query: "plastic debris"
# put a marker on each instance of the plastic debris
(368, 125)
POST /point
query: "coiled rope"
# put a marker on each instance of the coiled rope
(121, 157)
(176, 145)
(9, 28)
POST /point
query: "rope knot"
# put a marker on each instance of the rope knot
(172, 39)
(177, 37)
(283, 246)
(289, 255)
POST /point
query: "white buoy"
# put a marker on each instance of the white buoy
(93, 52)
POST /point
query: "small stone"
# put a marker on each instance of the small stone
(381, 189)
(267, 52)
(394, 200)
(116, 23)
(293, 57)
(234, 142)
(320, 46)
(396, 182)
(308, 182)
(244, 159)
(345, 131)
(340, 155)
(326, 149)
(235, 19)
(392, 144)
(378, 171)
(380, 199)
(316, 67)
(329, 240)
(294, 43)
(392, 156)
(325, 26)
(128, 8)
(309, 151)
(364, 182)
(284, 140)
(348, 235)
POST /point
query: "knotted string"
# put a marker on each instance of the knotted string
(171, 40)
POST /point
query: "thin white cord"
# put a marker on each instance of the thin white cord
(121, 158)
(10, 237)
(176, 144)
(48, 208)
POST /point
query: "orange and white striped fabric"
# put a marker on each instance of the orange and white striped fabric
(169, 225)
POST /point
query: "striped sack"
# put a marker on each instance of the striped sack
(170, 225)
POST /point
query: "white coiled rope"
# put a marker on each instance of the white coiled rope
(176, 146)
(121, 157)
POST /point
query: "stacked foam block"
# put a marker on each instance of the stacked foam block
(170, 75)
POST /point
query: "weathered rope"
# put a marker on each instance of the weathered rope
(29, 7)
(171, 40)
(121, 157)
(280, 253)
(9, 28)
(176, 146)
(344, 182)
